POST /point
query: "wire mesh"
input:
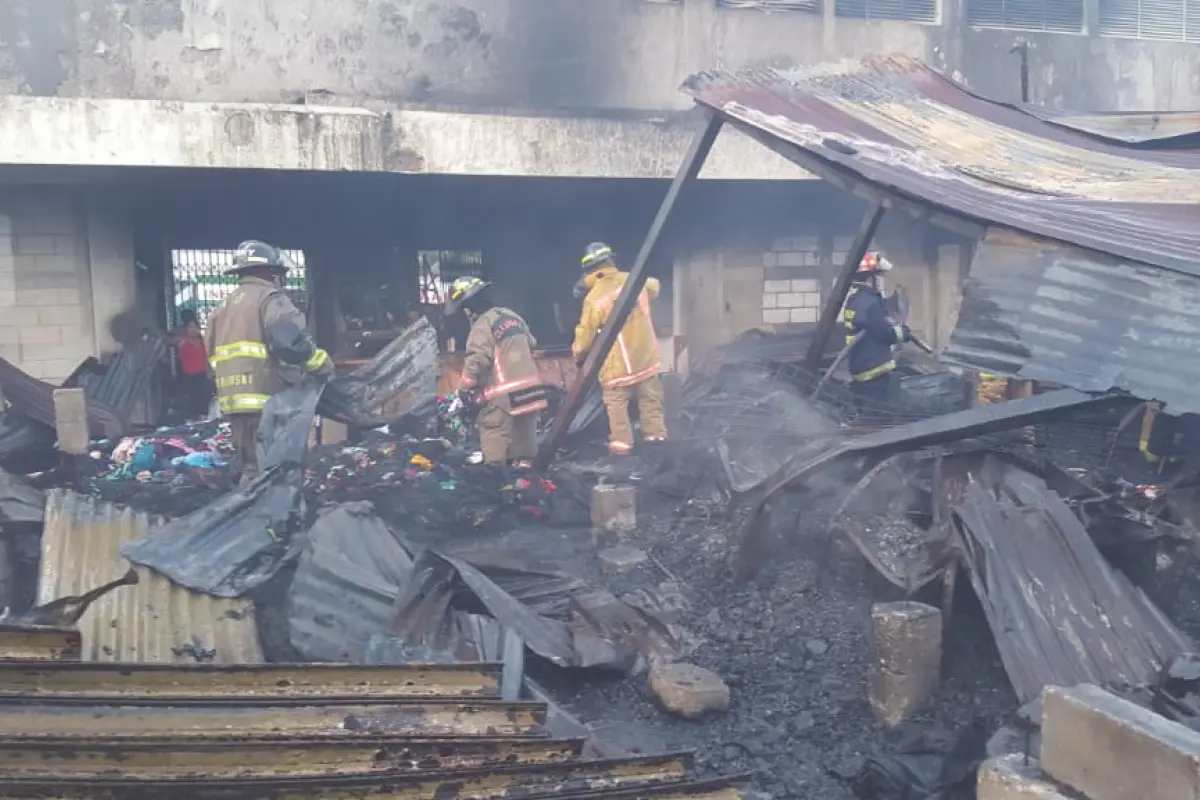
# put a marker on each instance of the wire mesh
(198, 282)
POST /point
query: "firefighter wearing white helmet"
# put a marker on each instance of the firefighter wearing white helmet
(499, 375)
(871, 361)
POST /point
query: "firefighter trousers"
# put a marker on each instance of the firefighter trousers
(650, 411)
(243, 431)
(504, 437)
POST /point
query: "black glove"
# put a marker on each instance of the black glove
(906, 333)
(467, 397)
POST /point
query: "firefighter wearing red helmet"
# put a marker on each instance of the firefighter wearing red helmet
(872, 362)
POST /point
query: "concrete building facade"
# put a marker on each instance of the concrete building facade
(367, 129)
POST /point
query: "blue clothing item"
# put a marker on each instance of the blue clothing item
(867, 312)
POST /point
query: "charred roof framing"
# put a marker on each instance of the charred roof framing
(892, 131)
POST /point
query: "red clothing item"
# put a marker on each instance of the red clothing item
(192, 358)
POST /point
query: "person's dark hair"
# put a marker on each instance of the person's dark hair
(188, 316)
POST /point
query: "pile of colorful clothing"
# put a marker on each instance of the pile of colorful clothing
(171, 471)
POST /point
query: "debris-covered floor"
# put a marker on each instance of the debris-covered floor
(394, 548)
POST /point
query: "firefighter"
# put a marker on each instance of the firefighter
(499, 375)
(871, 361)
(258, 345)
(634, 363)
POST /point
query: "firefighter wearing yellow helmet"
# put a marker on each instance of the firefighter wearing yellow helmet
(871, 361)
(499, 375)
(633, 365)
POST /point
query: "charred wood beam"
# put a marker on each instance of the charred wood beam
(688, 170)
(833, 306)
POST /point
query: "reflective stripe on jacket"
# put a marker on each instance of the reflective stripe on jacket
(257, 345)
(499, 358)
(866, 312)
(635, 356)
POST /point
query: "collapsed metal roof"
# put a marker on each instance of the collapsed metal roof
(1148, 129)
(892, 124)
(127, 731)
(155, 620)
(1061, 315)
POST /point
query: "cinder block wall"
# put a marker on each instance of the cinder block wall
(66, 267)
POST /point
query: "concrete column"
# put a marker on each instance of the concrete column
(70, 421)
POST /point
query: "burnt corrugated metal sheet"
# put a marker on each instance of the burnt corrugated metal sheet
(1060, 614)
(156, 620)
(1165, 129)
(302, 738)
(35, 399)
(894, 123)
(1035, 310)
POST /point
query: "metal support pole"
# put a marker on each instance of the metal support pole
(833, 306)
(689, 169)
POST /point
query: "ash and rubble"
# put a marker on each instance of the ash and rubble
(398, 549)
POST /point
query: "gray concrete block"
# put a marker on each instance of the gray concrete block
(906, 659)
(614, 512)
(620, 559)
(1110, 749)
(1011, 778)
(70, 421)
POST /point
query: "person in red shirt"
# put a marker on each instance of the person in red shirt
(194, 385)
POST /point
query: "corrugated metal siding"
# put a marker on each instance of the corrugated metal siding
(1059, 16)
(895, 124)
(146, 622)
(1039, 311)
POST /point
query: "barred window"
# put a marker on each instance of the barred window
(1164, 20)
(908, 10)
(811, 6)
(1058, 16)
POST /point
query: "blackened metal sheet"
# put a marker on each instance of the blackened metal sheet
(345, 587)
(1165, 129)
(123, 382)
(1036, 310)
(894, 123)
(35, 400)
(1060, 614)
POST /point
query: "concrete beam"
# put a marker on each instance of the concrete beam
(52, 131)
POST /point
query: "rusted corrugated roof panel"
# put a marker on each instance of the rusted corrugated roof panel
(156, 620)
(1040, 311)
(893, 123)
(1160, 129)
(1060, 614)
(249, 682)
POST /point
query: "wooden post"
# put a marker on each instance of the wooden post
(688, 170)
(833, 306)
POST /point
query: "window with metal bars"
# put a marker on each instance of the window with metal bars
(199, 282)
(1057, 16)
(925, 11)
(1164, 20)
(811, 6)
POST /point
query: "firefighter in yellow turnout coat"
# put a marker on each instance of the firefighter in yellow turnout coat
(633, 365)
(500, 375)
(258, 345)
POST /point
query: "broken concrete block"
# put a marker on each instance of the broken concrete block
(1110, 749)
(688, 690)
(620, 559)
(1011, 778)
(906, 659)
(70, 421)
(613, 512)
(334, 432)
